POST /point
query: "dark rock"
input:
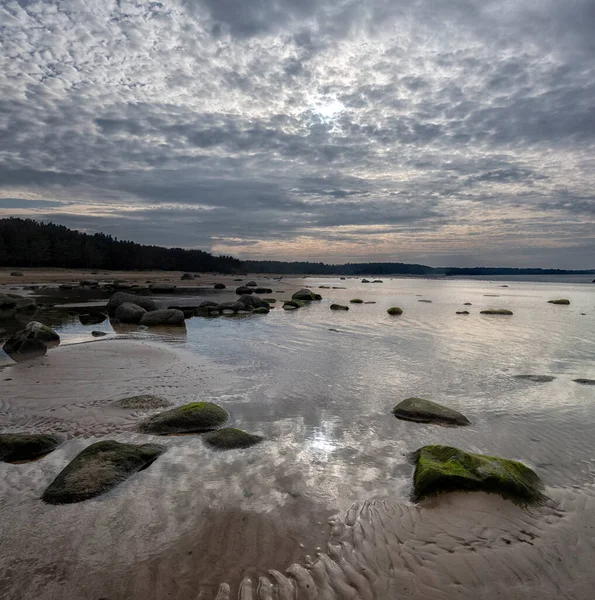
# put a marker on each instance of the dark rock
(378, 281)
(306, 295)
(426, 411)
(426, 301)
(230, 438)
(467, 304)
(193, 417)
(242, 290)
(143, 401)
(251, 284)
(16, 274)
(187, 276)
(253, 301)
(339, 307)
(462, 312)
(21, 446)
(120, 297)
(441, 469)
(496, 311)
(121, 285)
(356, 301)
(293, 304)
(219, 286)
(92, 318)
(162, 288)
(395, 310)
(263, 290)
(563, 301)
(207, 303)
(99, 468)
(98, 333)
(31, 342)
(536, 378)
(86, 282)
(189, 311)
(65, 286)
(8, 307)
(166, 316)
(261, 310)
(365, 280)
(584, 381)
(128, 312)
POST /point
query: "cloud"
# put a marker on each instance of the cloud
(375, 129)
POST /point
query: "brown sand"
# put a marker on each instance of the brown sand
(197, 518)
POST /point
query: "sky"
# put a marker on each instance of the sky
(449, 133)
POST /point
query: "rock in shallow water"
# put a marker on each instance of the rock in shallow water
(129, 312)
(496, 311)
(584, 381)
(395, 310)
(339, 307)
(229, 438)
(190, 418)
(306, 295)
(536, 378)
(563, 301)
(22, 446)
(121, 297)
(31, 342)
(166, 316)
(99, 468)
(142, 401)
(426, 411)
(440, 469)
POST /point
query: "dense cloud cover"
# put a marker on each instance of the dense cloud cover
(459, 132)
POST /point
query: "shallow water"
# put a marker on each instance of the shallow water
(320, 386)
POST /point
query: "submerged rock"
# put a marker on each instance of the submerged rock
(293, 304)
(129, 313)
(306, 295)
(31, 342)
(356, 301)
(196, 416)
(166, 316)
(536, 378)
(92, 318)
(143, 401)
(462, 312)
(120, 297)
(564, 301)
(26, 446)
(99, 468)
(229, 438)
(261, 310)
(395, 310)
(339, 307)
(441, 469)
(219, 286)
(584, 381)
(496, 311)
(426, 411)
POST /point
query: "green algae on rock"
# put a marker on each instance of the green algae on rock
(395, 310)
(496, 311)
(99, 468)
(426, 411)
(559, 301)
(193, 417)
(441, 469)
(26, 446)
(143, 401)
(339, 307)
(356, 301)
(229, 438)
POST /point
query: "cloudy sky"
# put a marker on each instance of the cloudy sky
(447, 132)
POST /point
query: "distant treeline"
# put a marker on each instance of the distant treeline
(28, 243)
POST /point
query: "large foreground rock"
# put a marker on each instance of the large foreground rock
(166, 316)
(22, 446)
(440, 469)
(99, 468)
(31, 342)
(128, 312)
(306, 295)
(426, 411)
(120, 297)
(196, 416)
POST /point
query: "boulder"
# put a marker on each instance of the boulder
(190, 418)
(306, 295)
(440, 469)
(426, 411)
(142, 401)
(219, 286)
(120, 297)
(584, 381)
(339, 307)
(16, 274)
(165, 316)
(263, 290)
(31, 342)
(395, 310)
(365, 281)
(253, 301)
(128, 312)
(99, 468)
(563, 301)
(243, 290)
(22, 446)
(230, 438)
(92, 318)
(496, 311)
(163, 288)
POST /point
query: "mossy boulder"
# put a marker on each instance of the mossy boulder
(339, 307)
(536, 378)
(99, 468)
(395, 310)
(564, 301)
(143, 401)
(441, 469)
(356, 301)
(426, 411)
(190, 418)
(496, 311)
(306, 295)
(229, 438)
(22, 446)
(584, 381)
